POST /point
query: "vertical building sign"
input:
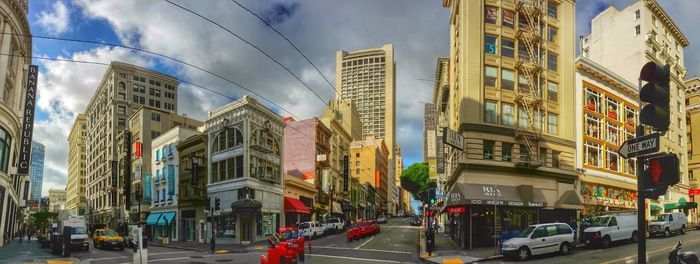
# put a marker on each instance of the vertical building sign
(195, 168)
(346, 175)
(440, 156)
(115, 173)
(127, 168)
(28, 121)
(147, 187)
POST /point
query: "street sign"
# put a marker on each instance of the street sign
(640, 146)
(438, 193)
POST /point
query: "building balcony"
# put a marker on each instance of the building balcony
(526, 161)
(527, 65)
(261, 148)
(529, 34)
(529, 7)
(528, 134)
(528, 98)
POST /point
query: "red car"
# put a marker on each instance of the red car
(353, 232)
(279, 253)
(294, 241)
(373, 227)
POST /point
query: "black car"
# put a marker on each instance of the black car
(416, 221)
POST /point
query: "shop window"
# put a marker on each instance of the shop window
(491, 15)
(490, 112)
(490, 76)
(613, 160)
(613, 133)
(508, 18)
(612, 108)
(490, 44)
(507, 114)
(507, 79)
(507, 47)
(552, 35)
(552, 91)
(593, 100)
(630, 116)
(593, 126)
(593, 154)
(553, 124)
(488, 149)
(555, 159)
(506, 151)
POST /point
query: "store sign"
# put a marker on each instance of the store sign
(505, 203)
(452, 138)
(438, 193)
(604, 201)
(432, 169)
(115, 170)
(491, 191)
(431, 137)
(195, 177)
(454, 197)
(440, 157)
(692, 192)
(28, 121)
(138, 148)
(346, 174)
(456, 210)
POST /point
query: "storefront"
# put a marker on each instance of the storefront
(476, 212)
(599, 198)
(295, 211)
(682, 206)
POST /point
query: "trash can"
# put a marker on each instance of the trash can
(56, 244)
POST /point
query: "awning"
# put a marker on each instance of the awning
(246, 206)
(153, 218)
(478, 194)
(167, 218)
(681, 204)
(336, 208)
(292, 205)
(654, 207)
(347, 207)
(569, 200)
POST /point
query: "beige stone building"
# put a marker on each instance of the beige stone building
(75, 189)
(369, 163)
(692, 120)
(339, 143)
(57, 199)
(367, 77)
(123, 89)
(511, 93)
(640, 33)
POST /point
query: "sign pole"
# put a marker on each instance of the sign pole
(641, 197)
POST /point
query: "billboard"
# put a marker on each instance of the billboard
(28, 121)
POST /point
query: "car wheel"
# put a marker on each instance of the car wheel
(683, 229)
(606, 242)
(564, 248)
(282, 260)
(667, 232)
(302, 257)
(523, 253)
(634, 237)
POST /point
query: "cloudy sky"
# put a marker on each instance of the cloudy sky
(319, 28)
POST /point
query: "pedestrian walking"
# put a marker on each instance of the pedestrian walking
(21, 236)
(29, 236)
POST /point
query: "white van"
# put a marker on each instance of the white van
(608, 228)
(311, 229)
(540, 239)
(667, 223)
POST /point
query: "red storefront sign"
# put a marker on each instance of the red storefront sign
(692, 192)
(456, 210)
(138, 148)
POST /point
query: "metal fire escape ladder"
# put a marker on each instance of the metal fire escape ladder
(529, 64)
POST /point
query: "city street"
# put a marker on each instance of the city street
(657, 252)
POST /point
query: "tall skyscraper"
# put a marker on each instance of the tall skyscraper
(123, 89)
(367, 77)
(36, 170)
(75, 189)
(511, 79)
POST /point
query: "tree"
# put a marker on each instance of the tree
(42, 219)
(415, 178)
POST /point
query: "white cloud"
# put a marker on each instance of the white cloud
(55, 22)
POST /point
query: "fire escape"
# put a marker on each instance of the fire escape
(529, 98)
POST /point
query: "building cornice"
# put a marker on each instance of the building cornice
(666, 19)
(603, 74)
(506, 131)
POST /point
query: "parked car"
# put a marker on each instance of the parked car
(311, 229)
(108, 238)
(294, 241)
(416, 221)
(374, 228)
(381, 219)
(668, 223)
(540, 239)
(353, 232)
(334, 225)
(278, 252)
(608, 228)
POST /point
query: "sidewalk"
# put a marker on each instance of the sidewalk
(448, 252)
(30, 253)
(220, 248)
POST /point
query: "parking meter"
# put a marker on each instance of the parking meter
(66, 241)
(430, 242)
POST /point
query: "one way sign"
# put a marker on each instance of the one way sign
(640, 146)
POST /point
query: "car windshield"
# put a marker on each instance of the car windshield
(78, 231)
(661, 218)
(600, 221)
(290, 235)
(526, 232)
(109, 233)
(304, 225)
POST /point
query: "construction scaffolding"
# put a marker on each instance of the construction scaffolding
(529, 63)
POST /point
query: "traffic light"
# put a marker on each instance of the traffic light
(662, 172)
(656, 93)
(217, 204)
(207, 203)
(432, 201)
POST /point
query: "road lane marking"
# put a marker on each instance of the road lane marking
(366, 249)
(368, 240)
(165, 253)
(88, 260)
(156, 260)
(351, 258)
(647, 255)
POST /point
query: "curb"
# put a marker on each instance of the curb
(218, 251)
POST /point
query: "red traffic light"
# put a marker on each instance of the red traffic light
(663, 170)
(655, 170)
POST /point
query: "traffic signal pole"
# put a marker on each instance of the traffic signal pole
(641, 207)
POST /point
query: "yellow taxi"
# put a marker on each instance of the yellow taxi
(108, 238)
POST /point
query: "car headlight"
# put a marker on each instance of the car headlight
(509, 246)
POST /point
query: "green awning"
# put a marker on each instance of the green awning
(654, 207)
(681, 204)
(153, 218)
(167, 218)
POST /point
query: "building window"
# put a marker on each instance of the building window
(613, 133)
(490, 44)
(491, 15)
(507, 114)
(552, 61)
(490, 112)
(226, 139)
(155, 117)
(154, 134)
(637, 14)
(490, 76)
(508, 18)
(593, 126)
(552, 121)
(488, 149)
(552, 35)
(121, 110)
(555, 159)
(543, 156)
(552, 91)
(506, 151)
(653, 20)
(5, 146)
(507, 79)
(593, 100)
(612, 109)
(523, 84)
(142, 100)
(613, 161)
(121, 122)
(552, 9)
(507, 47)
(637, 30)
(523, 119)
(630, 116)
(593, 154)
(121, 96)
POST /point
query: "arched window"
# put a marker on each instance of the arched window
(5, 145)
(226, 139)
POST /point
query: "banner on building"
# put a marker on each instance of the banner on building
(440, 156)
(127, 168)
(171, 179)
(430, 143)
(326, 181)
(115, 169)
(137, 149)
(346, 176)
(195, 176)
(147, 187)
(28, 121)
(432, 169)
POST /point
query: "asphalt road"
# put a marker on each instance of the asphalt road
(626, 252)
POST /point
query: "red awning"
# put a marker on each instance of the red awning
(292, 205)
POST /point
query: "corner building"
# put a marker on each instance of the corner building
(75, 189)
(511, 94)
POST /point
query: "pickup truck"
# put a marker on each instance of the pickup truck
(334, 225)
